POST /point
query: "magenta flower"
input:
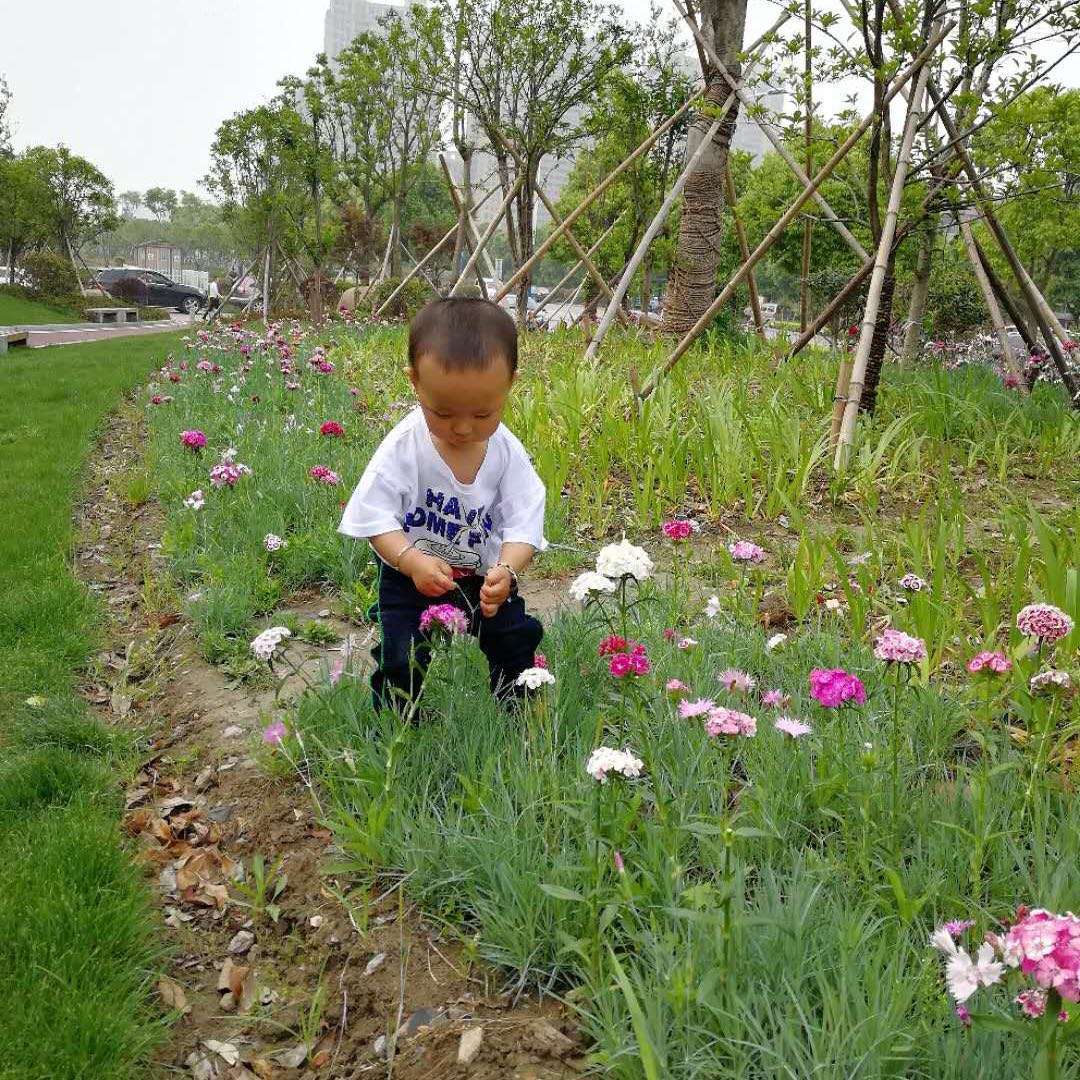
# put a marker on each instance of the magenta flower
(957, 926)
(896, 647)
(632, 663)
(1044, 621)
(775, 699)
(275, 733)
(790, 726)
(445, 617)
(744, 551)
(688, 709)
(324, 367)
(611, 645)
(736, 682)
(677, 530)
(993, 663)
(325, 475)
(619, 665)
(1011, 380)
(540, 661)
(192, 440)
(833, 687)
(721, 721)
(332, 429)
(1046, 947)
(963, 1015)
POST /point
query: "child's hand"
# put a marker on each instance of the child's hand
(431, 576)
(494, 591)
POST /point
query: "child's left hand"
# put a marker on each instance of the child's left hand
(494, 591)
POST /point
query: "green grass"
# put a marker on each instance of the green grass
(76, 933)
(16, 311)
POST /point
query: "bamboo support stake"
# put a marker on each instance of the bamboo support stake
(1006, 301)
(808, 132)
(744, 250)
(418, 268)
(465, 219)
(775, 138)
(654, 228)
(489, 232)
(574, 269)
(846, 407)
(901, 80)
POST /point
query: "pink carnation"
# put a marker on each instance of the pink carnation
(540, 661)
(736, 682)
(790, 726)
(775, 699)
(688, 709)
(611, 645)
(275, 733)
(204, 365)
(1032, 1003)
(721, 721)
(446, 617)
(994, 663)
(832, 687)
(744, 551)
(333, 429)
(1046, 947)
(228, 474)
(192, 440)
(324, 475)
(677, 530)
(676, 687)
(896, 647)
(1044, 621)
(631, 663)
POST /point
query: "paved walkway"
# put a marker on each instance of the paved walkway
(69, 333)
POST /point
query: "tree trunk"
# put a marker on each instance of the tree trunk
(692, 284)
(395, 238)
(466, 154)
(868, 401)
(920, 294)
(646, 285)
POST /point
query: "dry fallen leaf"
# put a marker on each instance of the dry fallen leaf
(226, 1051)
(172, 993)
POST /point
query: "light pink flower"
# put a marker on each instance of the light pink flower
(833, 687)
(275, 733)
(228, 474)
(324, 475)
(994, 663)
(955, 927)
(790, 726)
(1044, 621)
(1032, 1002)
(745, 551)
(688, 709)
(896, 647)
(775, 699)
(721, 721)
(913, 583)
(446, 617)
(736, 682)
(617, 858)
(676, 686)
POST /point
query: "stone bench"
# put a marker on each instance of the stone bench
(9, 339)
(113, 314)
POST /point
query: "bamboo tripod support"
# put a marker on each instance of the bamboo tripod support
(489, 232)
(574, 269)
(744, 250)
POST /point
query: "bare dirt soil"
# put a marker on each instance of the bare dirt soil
(258, 985)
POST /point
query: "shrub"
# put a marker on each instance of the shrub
(407, 303)
(50, 275)
(130, 289)
(955, 305)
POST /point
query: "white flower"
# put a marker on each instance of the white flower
(265, 645)
(832, 604)
(604, 760)
(229, 456)
(687, 643)
(1051, 679)
(535, 677)
(273, 542)
(195, 501)
(775, 642)
(624, 560)
(712, 607)
(943, 940)
(584, 585)
(964, 976)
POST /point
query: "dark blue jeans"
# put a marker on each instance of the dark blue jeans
(508, 639)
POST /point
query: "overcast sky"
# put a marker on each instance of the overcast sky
(139, 86)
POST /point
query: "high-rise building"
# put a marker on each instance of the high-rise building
(345, 19)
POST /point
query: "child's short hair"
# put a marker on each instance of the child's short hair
(463, 333)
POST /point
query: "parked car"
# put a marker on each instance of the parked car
(159, 291)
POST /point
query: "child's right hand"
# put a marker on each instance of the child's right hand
(431, 576)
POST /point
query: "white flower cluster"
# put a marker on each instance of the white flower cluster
(195, 501)
(273, 542)
(265, 645)
(712, 607)
(624, 560)
(604, 760)
(534, 677)
(1049, 680)
(584, 585)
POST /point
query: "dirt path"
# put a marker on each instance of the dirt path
(333, 984)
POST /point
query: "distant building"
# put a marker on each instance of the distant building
(345, 19)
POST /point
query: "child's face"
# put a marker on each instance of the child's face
(461, 407)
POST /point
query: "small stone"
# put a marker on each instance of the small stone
(297, 814)
(375, 963)
(201, 1067)
(233, 731)
(294, 1058)
(220, 813)
(205, 778)
(422, 1018)
(325, 613)
(228, 1002)
(378, 1048)
(241, 942)
(469, 1047)
(315, 922)
(268, 996)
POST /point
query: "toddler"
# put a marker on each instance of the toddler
(451, 503)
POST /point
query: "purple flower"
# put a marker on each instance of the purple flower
(1044, 621)
(833, 687)
(744, 551)
(896, 647)
(275, 733)
(445, 617)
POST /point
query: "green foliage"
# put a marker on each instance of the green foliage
(408, 302)
(50, 274)
(955, 304)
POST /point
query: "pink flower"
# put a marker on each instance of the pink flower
(744, 551)
(687, 643)
(333, 429)
(913, 583)
(292, 385)
(204, 365)
(324, 475)
(832, 687)
(337, 669)
(540, 661)
(1044, 621)
(688, 709)
(896, 647)
(324, 367)
(631, 663)
(676, 687)
(610, 645)
(228, 474)
(192, 440)
(354, 391)
(1032, 1002)
(446, 617)
(775, 699)
(1011, 380)
(677, 530)
(721, 721)
(617, 858)
(736, 682)
(159, 399)
(994, 663)
(790, 726)
(669, 634)
(957, 926)
(275, 733)
(639, 663)
(963, 1015)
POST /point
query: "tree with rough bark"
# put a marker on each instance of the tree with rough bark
(692, 284)
(527, 69)
(23, 207)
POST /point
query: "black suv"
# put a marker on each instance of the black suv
(153, 288)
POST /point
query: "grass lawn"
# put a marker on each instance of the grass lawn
(15, 311)
(77, 941)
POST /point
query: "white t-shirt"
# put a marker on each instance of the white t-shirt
(408, 486)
